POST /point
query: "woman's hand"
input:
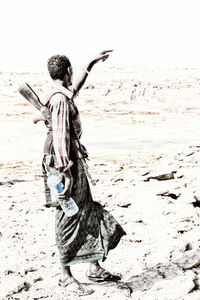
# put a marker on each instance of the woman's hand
(102, 56)
(37, 118)
(67, 188)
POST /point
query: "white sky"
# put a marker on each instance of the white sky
(141, 32)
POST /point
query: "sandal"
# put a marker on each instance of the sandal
(78, 288)
(102, 275)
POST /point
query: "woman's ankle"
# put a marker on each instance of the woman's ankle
(94, 266)
(68, 279)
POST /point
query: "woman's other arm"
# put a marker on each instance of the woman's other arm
(61, 140)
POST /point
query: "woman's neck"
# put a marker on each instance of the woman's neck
(61, 82)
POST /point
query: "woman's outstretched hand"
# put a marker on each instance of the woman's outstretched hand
(102, 56)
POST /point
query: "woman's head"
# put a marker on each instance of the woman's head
(59, 66)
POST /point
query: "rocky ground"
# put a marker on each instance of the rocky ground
(141, 127)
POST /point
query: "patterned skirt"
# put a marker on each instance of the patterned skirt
(91, 233)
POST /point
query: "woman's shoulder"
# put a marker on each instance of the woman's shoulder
(59, 94)
(57, 98)
(67, 92)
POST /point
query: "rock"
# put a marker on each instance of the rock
(146, 173)
(188, 247)
(25, 286)
(124, 205)
(168, 281)
(166, 176)
(168, 194)
(189, 153)
(189, 260)
(8, 272)
(196, 203)
(37, 279)
(30, 269)
(147, 279)
(24, 272)
(119, 179)
(173, 288)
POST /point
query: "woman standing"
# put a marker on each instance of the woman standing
(92, 232)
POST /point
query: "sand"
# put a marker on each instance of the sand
(139, 123)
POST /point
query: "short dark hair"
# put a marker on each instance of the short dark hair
(57, 66)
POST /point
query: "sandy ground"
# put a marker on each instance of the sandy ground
(138, 123)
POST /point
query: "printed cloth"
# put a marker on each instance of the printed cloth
(91, 233)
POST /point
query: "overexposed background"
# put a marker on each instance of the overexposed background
(142, 32)
(140, 120)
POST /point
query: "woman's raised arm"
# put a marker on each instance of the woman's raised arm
(102, 56)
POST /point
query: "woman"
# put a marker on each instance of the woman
(92, 232)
